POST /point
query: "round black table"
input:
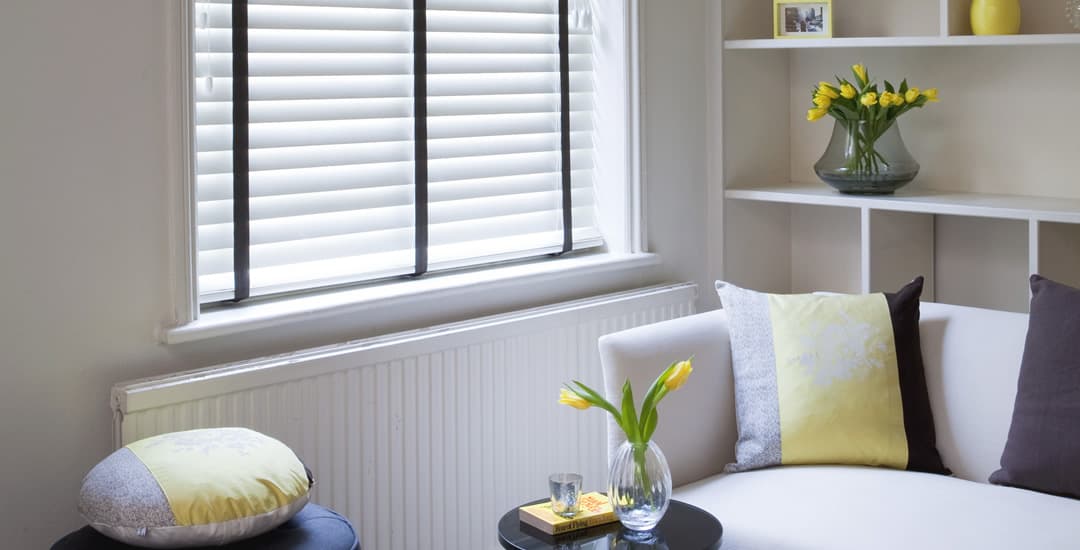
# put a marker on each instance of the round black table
(684, 527)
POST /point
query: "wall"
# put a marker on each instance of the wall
(86, 161)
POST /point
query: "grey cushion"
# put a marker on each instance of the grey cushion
(1043, 449)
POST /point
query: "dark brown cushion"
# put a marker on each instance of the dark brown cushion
(1043, 449)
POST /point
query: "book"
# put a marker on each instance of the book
(595, 510)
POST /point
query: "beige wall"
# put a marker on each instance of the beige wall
(85, 165)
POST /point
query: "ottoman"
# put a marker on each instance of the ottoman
(312, 528)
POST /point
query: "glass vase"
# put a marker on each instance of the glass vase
(639, 485)
(866, 159)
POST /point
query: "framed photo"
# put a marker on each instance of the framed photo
(802, 18)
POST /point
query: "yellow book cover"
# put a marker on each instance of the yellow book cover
(595, 510)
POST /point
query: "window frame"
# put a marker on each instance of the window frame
(626, 246)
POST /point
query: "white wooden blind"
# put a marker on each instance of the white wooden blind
(331, 139)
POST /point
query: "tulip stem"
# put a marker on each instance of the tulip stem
(862, 137)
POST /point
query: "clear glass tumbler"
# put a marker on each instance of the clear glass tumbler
(565, 491)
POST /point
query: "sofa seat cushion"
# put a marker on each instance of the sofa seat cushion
(852, 507)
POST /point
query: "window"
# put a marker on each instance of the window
(340, 141)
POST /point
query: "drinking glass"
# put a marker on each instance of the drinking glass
(565, 490)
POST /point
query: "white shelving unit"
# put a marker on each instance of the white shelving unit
(998, 196)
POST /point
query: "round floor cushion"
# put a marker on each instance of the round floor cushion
(194, 488)
(313, 528)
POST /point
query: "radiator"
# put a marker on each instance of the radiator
(423, 439)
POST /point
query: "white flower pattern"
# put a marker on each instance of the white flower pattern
(207, 441)
(841, 350)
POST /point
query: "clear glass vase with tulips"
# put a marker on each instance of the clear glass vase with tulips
(639, 484)
(866, 153)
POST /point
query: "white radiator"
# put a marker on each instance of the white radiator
(422, 439)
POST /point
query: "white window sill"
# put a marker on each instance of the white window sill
(285, 311)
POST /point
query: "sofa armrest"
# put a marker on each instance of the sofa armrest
(696, 429)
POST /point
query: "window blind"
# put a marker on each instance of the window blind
(332, 139)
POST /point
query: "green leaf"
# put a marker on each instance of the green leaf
(889, 87)
(650, 398)
(903, 87)
(633, 433)
(650, 425)
(597, 400)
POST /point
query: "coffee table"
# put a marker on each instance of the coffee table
(684, 527)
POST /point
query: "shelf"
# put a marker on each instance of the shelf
(925, 202)
(903, 42)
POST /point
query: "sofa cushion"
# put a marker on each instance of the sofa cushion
(856, 508)
(830, 379)
(1043, 449)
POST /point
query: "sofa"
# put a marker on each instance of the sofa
(972, 359)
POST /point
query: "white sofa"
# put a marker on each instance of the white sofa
(972, 358)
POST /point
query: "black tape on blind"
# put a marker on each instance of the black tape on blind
(420, 133)
(564, 101)
(241, 213)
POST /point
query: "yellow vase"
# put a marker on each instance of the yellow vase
(995, 16)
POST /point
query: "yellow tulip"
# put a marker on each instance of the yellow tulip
(860, 71)
(814, 114)
(931, 95)
(912, 95)
(822, 101)
(567, 397)
(678, 375)
(828, 91)
(848, 91)
(869, 99)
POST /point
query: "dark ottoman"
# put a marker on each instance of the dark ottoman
(313, 528)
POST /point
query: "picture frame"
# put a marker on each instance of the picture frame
(802, 19)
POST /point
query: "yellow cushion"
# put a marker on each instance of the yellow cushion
(216, 475)
(834, 379)
(194, 488)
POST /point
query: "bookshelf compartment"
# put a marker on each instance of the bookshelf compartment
(758, 254)
(825, 249)
(899, 246)
(981, 262)
(752, 19)
(1059, 252)
(968, 141)
(1036, 17)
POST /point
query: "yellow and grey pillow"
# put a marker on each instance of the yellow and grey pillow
(829, 379)
(194, 488)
